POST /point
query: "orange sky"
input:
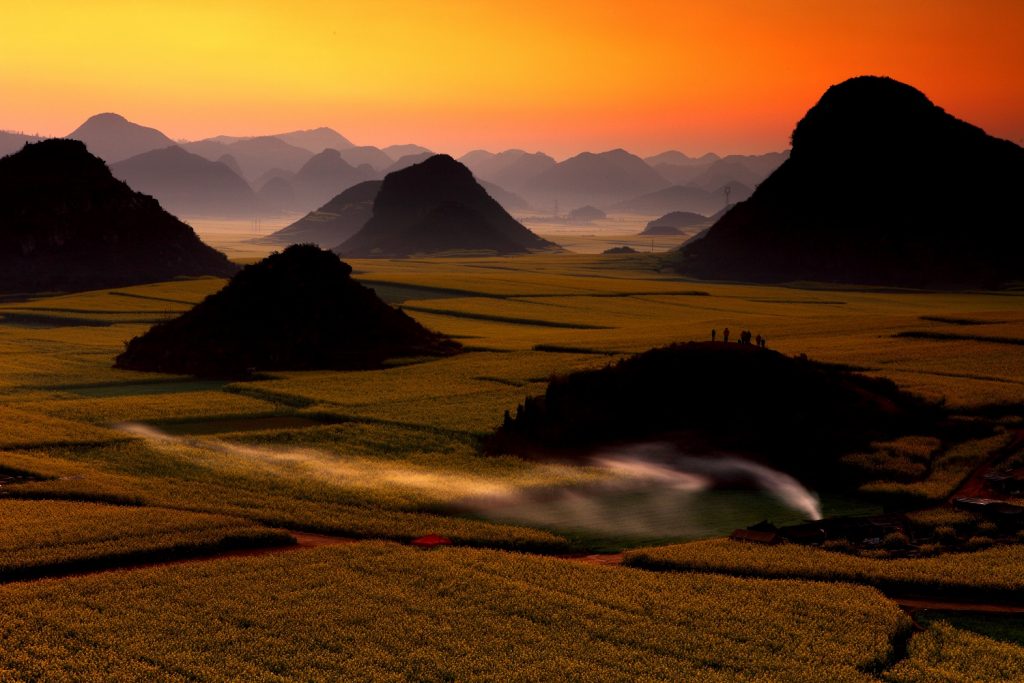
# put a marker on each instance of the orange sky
(557, 75)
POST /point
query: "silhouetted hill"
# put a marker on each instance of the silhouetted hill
(599, 179)
(335, 221)
(437, 206)
(114, 138)
(325, 175)
(670, 223)
(187, 184)
(716, 396)
(11, 142)
(315, 140)
(295, 310)
(620, 250)
(67, 224)
(882, 187)
(674, 198)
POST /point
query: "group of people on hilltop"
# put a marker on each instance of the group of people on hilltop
(746, 337)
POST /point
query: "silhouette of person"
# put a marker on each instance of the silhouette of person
(764, 342)
(758, 339)
(713, 333)
(725, 335)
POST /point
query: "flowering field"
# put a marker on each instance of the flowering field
(383, 612)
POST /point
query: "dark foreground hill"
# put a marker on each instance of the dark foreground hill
(882, 188)
(798, 413)
(295, 310)
(335, 221)
(67, 224)
(436, 206)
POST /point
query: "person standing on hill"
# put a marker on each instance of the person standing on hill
(714, 333)
(725, 335)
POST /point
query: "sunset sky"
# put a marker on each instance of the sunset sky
(456, 75)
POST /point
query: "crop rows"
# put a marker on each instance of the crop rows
(383, 612)
(992, 572)
(44, 537)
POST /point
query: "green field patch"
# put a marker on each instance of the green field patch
(504, 319)
(48, 538)
(397, 292)
(950, 336)
(145, 297)
(244, 423)
(42, 321)
(170, 386)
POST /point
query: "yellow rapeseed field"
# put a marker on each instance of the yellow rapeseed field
(383, 612)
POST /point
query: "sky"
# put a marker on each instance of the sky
(560, 76)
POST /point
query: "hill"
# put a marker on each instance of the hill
(396, 152)
(882, 187)
(585, 214)
(599, 179)
(799, 414)
(325, 175)
(512, 168)
(331, 322)
(11, 142)
(335, 221)
(114, 138)
(670, 223)
(674, 198)
(255, 156)
(437, 206)
(187, 184)
(315, 140)
(369, 155)
(66, 223)
(408, 160)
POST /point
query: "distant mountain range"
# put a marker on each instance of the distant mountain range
(437, 206)
(67, 224)
(304, 179)
(882, 187)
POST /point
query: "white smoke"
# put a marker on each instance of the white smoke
(662, 463)
(654, 491)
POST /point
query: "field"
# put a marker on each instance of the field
(165, 462)
(382, 612)
(993, 573)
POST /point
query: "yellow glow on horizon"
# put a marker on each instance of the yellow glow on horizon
(562, 76)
